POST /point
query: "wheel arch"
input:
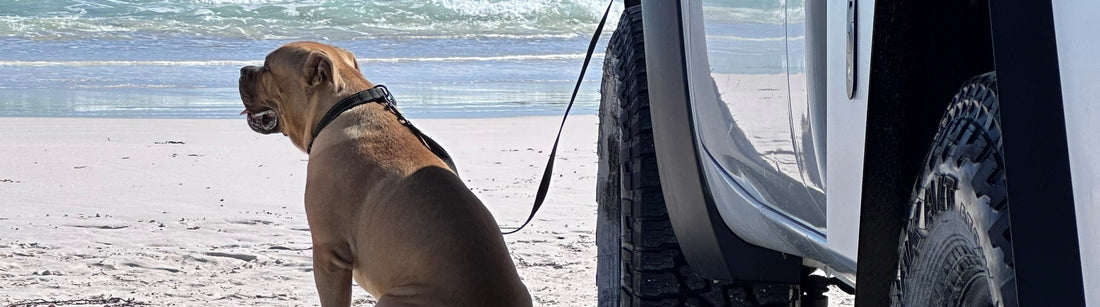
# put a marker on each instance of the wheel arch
(1033, 123)
(922, 51)
(708, 245)
(912, 78)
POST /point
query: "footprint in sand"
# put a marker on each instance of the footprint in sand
(106, 227)
(241, 257)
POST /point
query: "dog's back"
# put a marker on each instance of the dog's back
(416, 232)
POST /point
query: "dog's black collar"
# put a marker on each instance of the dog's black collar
(379, 94)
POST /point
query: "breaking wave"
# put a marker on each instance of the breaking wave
(286, 19)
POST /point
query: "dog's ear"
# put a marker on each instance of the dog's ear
(349, 58)
(319, 69)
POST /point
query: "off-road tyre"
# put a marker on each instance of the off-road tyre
(653, 269)
(956, 248)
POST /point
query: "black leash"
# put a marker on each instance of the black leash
(380, 94)
(544, 186)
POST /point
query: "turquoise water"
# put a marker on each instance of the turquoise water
(181, 58)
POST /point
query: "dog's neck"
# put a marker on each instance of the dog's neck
(374, 129)
(321, 103)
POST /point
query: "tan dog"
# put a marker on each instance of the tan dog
(382, 208)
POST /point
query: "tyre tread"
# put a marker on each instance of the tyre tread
(968, 133)
(654, 270)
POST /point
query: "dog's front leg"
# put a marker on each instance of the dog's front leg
(332, 272)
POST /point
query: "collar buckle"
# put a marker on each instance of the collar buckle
(379, 93)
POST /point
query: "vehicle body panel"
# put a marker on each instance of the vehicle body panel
(747, 59)
(806, 57)
(760, 191)
(847, 122)
(1078, 70)
(743, 85)
(779, 142)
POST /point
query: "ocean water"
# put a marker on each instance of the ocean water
(181, 58)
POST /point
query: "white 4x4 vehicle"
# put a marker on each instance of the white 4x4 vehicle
(929, 153)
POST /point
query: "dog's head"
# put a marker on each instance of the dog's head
(295, 86)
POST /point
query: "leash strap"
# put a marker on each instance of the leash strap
(380, 94)
(427, 141)
(544, 186)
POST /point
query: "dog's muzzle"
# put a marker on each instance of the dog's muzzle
(261, 119)
(266, 121)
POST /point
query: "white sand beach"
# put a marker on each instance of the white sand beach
(189, 212)
(185, 212)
